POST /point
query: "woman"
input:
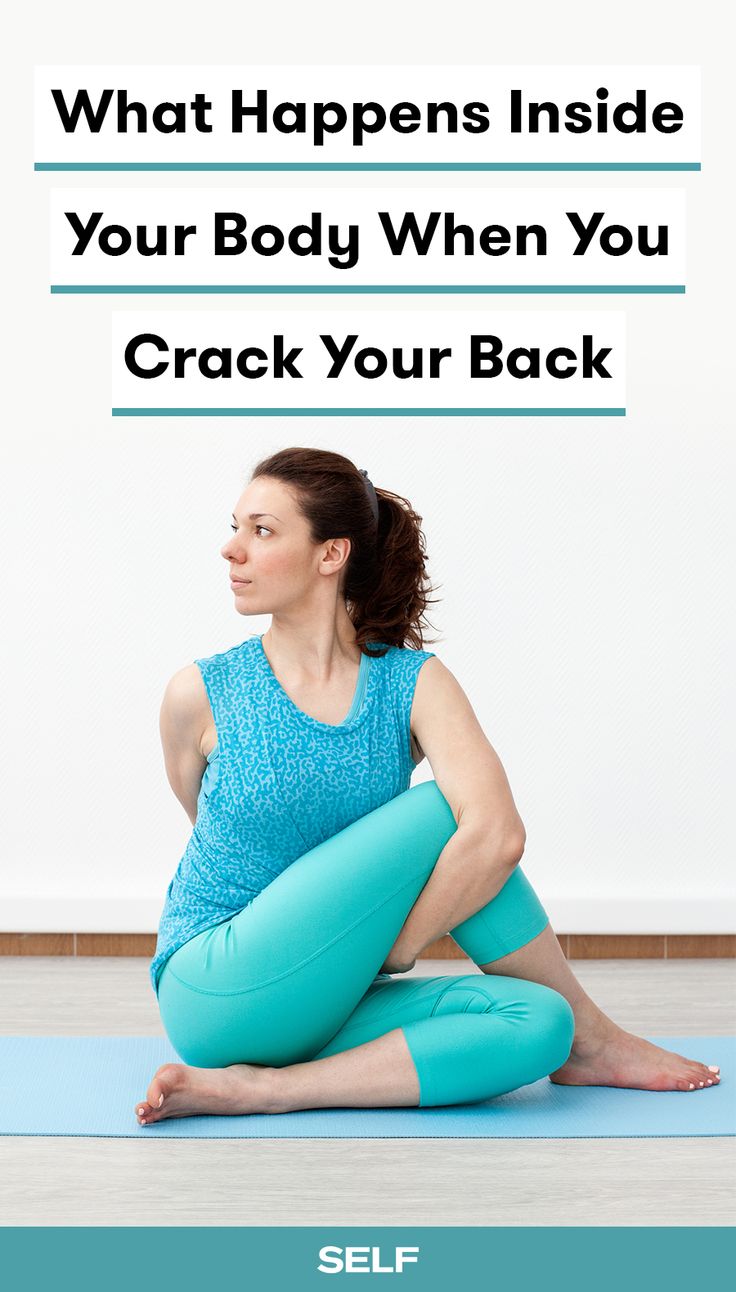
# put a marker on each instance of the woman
(314, 873)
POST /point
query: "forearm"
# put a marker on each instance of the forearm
(471, 870)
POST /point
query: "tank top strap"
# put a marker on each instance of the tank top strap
(229, 680)
(402, 665)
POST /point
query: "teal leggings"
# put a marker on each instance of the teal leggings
(294, 975)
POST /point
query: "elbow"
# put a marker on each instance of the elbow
(502, 846)
(515, 845)
(509, 847)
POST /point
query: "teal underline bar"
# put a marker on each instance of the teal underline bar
(369, 412)
(343, 289)
(367, 166)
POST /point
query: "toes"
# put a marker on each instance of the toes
(699, 1074)
(685, 1084)
(163, 1083)
(707, 1076)
(161, 1100)
(148, 1112)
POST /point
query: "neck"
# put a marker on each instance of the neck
(313, 649)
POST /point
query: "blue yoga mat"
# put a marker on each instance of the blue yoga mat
(89, 1085)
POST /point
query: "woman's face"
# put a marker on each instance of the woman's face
(273, 564)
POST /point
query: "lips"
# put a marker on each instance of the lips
(232, 580)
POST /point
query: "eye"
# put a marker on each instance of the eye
(234, 528)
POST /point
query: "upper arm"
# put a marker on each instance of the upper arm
(182, 723)
(465, 765)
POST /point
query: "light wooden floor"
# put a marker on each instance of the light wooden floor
(75, 1181)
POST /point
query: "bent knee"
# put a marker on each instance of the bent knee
(559, 1022)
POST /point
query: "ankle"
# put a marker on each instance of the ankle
(277, 1093)
(261, 1084)
(593, 1028)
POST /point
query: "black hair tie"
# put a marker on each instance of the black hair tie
(370, 490)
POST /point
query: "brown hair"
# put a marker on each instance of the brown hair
(386, 588)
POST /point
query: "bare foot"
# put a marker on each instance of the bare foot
(609, 1056)
(178, 1090)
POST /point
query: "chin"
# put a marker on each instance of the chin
(245, 606)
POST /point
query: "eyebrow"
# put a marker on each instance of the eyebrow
(256, 515)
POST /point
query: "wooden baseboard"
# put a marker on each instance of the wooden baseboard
(622, 946)
(576, 946)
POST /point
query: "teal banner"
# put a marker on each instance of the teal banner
(436, 1259)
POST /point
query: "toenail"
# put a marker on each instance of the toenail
(161, 1100)
(713, 1067)
(692, 1087)
(141, 1112)
(709, 1082)
(700, 1083)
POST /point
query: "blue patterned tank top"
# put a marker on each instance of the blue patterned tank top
(278, 782)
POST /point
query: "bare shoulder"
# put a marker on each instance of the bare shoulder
(465, 765)
(185, 709)
(433, 667)
(435, 685)
(185, 690)
(436, 682)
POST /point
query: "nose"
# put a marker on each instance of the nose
(233, 550)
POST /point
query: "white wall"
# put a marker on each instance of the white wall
(586, 566)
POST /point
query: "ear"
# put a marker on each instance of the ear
(335, 555)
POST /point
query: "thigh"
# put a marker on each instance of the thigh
(275, 982)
